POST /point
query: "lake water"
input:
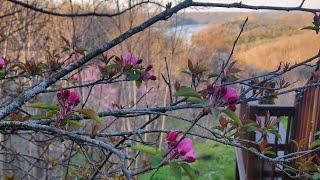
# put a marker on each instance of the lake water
(186, 31)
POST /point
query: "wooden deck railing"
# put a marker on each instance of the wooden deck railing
(255, 168)
(303, 121)
(307, 121)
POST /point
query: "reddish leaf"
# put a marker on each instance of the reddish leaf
(263, 145)
(8, 176)
(190, 65)
(176, 85)
(94, 131)
(223, 122)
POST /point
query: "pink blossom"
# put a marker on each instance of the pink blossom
(217, 91)
(172, 140)
(183, 150)
(172, 136)
(146, 74)
(67, 101)
(2, 62)
(232, 107)
(74, 98)
(149, 67)
(223, 95)
(231, 93)
(63, 95)
(74, 78)
(222, 91)
(189, 156)
(130, 59)
(185, 146)
(231, 97)
(211, 89)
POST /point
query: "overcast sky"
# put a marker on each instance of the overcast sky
(308, 3)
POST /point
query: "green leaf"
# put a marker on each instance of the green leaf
(290, 170)
(252, 127)
(274, 130)
(232, 115)
(110, 70)
(309, 28)
(272, 97)
(251, 124)
(44, 106)
(133, 75)
(316, 176)
(316, 23)
(317, 134)
(81, 50)
(214, 114)
(219, 128)
(65, 48)
(156, 161)
(315, 143)
(186, 92)
(278, 135)
(75, 124)
(90, 114)
(283, 120)
(269, 153)
(211, 75)
(233, 78)
(2, 74)
(175, 170)
(138, 83)
(189, 170)
(50, 114)
(146, 149)
(204, 103)
(194, 99)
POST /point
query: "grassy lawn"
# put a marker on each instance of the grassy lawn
(214, 161)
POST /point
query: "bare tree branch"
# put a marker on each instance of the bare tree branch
(71, 136)
(45, 11)
(252, 7)
(10, 14)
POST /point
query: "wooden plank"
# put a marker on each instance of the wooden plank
(301, 128)
(240, 164)
(315, 112)
(318, 110)
(274, 110)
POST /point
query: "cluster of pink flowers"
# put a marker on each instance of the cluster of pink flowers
(180, 148)
(146, 75)
(2, 62)
(67, 101)
(130, 61)
(227, 95)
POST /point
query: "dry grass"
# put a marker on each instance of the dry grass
(268, 39)
(266, 56)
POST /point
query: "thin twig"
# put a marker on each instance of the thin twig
(231, 53)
